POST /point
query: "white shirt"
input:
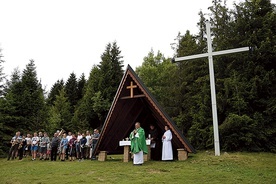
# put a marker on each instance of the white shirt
(35, 141)
(79, 138)
(68, 137)
(28, 140)
(88, 137)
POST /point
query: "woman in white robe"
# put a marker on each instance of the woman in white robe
(167, 153)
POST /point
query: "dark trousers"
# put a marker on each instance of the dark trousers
(78, 151)
(28, 151)
(93, 149)
(156, 152)
(67, 151)
(87, 152)
(72, 151)
(20, 153)
(54, 153)
(13, 151)
(82, 153)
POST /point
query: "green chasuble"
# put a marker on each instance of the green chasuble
(138, 141)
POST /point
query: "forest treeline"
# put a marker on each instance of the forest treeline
(245, 85)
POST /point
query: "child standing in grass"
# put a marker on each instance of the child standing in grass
(34, 148)
(28, 145)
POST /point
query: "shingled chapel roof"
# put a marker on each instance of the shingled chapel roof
(132, 103)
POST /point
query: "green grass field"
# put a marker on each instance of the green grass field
(202, 167)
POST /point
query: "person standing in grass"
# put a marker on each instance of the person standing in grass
(167, 153)
(28, 145)
(43, 145)
(81, 150)
(155, 144)
(63, 147)
(34, 148)
(48, 153)
(21, 147)
(94, 139)
(72, 148)
(54, 147)
(68, 137)
(14, 148)
(40, 136)
(78, 145)
(138, 144)
(87, 147)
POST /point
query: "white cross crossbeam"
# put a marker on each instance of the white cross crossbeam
(242, 49)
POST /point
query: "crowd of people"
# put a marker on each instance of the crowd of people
(80, 146)
(62, 146)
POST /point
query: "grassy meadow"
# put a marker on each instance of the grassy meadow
(202, 167)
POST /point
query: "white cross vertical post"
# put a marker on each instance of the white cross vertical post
(210, 55)
(213, 90)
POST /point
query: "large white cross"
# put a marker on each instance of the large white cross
(210, 55)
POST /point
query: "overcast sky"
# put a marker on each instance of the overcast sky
(65, 36)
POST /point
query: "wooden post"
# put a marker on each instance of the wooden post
(147, 156)
(102, 156)
(182, 154)
(126, 154)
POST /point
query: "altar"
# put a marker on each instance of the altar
(127, 156)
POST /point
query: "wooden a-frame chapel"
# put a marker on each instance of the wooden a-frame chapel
(133, 103)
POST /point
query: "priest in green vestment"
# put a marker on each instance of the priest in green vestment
(138, 144)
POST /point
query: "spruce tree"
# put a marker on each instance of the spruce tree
(60, 116)
(81, 87)
(55, 89)
(10, 117)
(71, 90)
(251, 85)
(110, 75)
(33, 103)
(100, 89)
(85, 117)
(111, 71)
(25, 103)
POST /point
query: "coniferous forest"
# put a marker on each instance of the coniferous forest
(245, 85)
